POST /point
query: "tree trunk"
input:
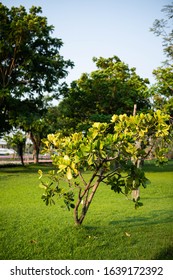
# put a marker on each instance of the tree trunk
(87, 198)
(79, 218)
(20, 152)
(134, 109)
(36, 147)
(36, 154)
(135, 192)
(22, 160)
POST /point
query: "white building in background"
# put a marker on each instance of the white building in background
(4, 150)
(3, 143)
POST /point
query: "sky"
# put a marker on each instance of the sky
(94, 28)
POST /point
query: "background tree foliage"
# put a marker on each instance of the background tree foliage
(163, 28)
(162, 90)
(112, 88)
(17, 140)
(31, 68)
(31, 118)
(30, 61)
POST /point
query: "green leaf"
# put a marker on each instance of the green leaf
(90, 159)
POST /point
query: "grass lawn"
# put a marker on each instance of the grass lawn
(113, 229)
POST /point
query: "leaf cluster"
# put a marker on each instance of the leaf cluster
(30, 62)
(111, 155)
(113, 88)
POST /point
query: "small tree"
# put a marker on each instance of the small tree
(17, 140)
(32, 119)
(111, 151)
(36, 133)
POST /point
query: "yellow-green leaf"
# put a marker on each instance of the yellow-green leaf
(69, 174)
(40, 173)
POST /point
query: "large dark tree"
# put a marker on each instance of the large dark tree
(112, 88)
(30, 61)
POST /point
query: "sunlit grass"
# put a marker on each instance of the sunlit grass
(113, 229)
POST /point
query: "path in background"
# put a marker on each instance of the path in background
(27, 159)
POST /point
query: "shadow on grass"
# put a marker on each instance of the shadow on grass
(156, 217)
(165, 254)
(31, 168)
(150, 166)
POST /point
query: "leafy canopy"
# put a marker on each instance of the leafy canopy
(162, 90)
(163, 28)
(111, 152)
(30, 61)
(113, 88)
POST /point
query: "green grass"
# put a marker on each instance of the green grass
(113, 229)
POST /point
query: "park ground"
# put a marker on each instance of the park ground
(113, 229)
